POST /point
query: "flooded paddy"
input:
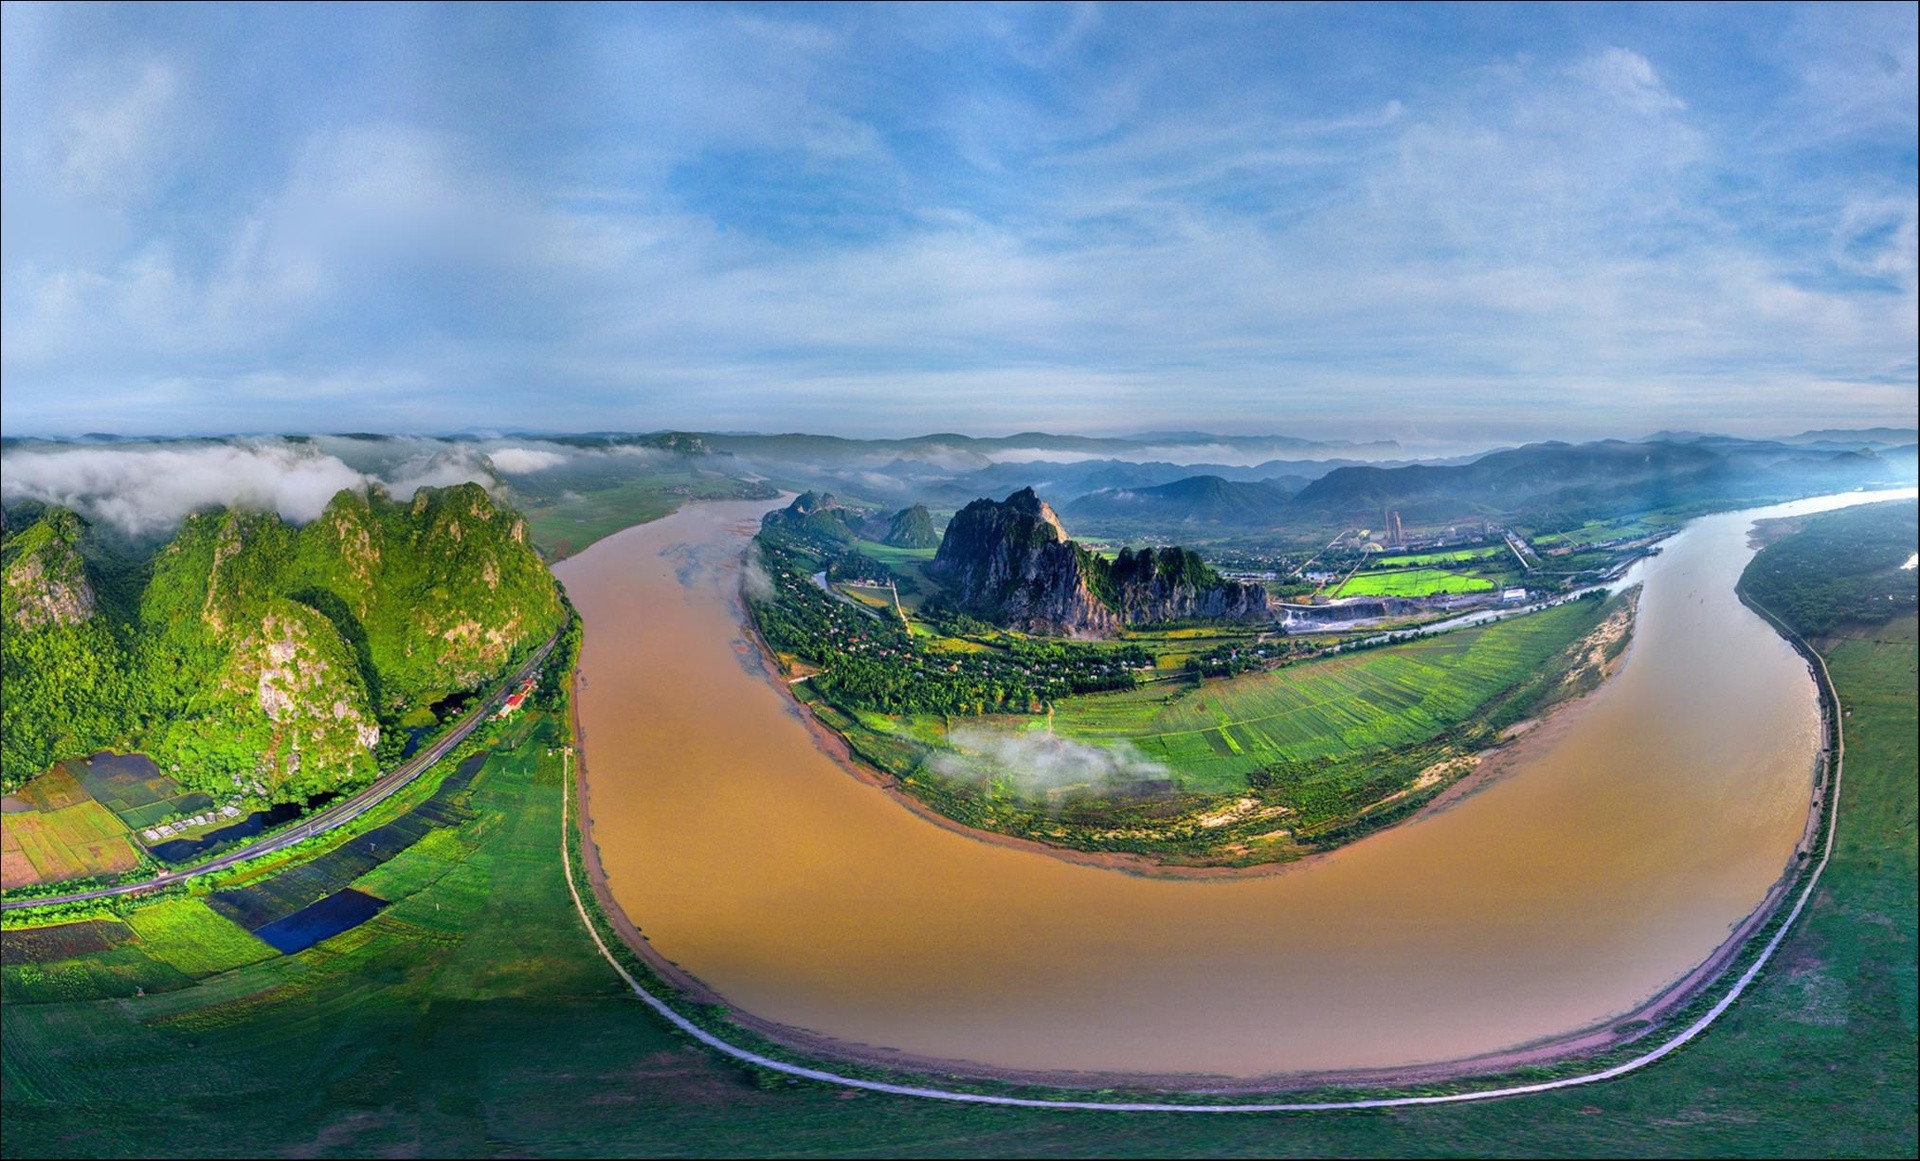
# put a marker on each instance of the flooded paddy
(1639, 827)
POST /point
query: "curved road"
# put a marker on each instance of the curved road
(339, 814)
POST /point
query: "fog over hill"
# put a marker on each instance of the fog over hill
(144, 487)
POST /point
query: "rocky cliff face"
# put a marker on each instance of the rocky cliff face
(1174, 584)
(45, 582)
(1012, 562)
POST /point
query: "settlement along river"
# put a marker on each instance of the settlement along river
(1643, 824)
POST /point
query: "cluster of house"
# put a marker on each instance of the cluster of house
(164, 830)
(515, 700)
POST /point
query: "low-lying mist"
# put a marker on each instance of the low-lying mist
(1037, 763)
(147, 489)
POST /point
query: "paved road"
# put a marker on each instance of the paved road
(339, 814)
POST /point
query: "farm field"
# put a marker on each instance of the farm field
(45, 846)
(1412, 582)
(1593, 531)
(1443, 556)
(1212, 736)
(1340, 706)
(905, 560)
(131, 786)
(474, 1017)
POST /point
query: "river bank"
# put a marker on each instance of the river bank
(1615, 1033)
(1459, 774)
(1566, 895)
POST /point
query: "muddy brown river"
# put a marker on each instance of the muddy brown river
(1643, 824)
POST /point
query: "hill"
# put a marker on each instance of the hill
(1012, 562)
(265, 656)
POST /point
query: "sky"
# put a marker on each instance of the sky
(1408, 222)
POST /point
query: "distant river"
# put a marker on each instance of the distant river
(1651, 818)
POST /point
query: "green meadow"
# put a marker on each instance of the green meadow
(1445, 556)
(1348, 706)
(1411, 582)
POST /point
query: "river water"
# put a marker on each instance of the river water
(1646, 822)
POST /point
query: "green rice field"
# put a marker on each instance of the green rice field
(189, 936)
(1212, 735)
(1411, 582)
(1452, 556)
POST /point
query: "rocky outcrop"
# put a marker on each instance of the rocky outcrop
(1174, 584)
(46, 583)
(294, 671)
(1012, 562)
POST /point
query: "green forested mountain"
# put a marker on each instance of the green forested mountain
(911, 528)
(64, 687)
(263, 655)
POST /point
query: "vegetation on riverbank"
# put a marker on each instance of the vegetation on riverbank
(1264, 767)
(1257, 748)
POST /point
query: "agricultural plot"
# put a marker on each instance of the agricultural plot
(257, 905)
(135, 789)
(73, 841)
(20, 945)
(1443, 556)
(903, 560)
(1412, 582)
(1214, 735)
(57, 789)
(187, 935)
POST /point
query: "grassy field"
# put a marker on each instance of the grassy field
(906, 560)
(187, 935)
(1445, 556)
(1215, 733)
(1264, 767)
(473, 1017)
(1411, 582)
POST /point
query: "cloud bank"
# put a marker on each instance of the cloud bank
(147, 491)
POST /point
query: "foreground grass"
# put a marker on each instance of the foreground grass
(474, 1017)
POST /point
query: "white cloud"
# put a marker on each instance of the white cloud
(113, 140)
(147, 490)
(520, 461)
(1629, 78)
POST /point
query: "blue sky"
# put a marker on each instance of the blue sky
(1413, 222)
